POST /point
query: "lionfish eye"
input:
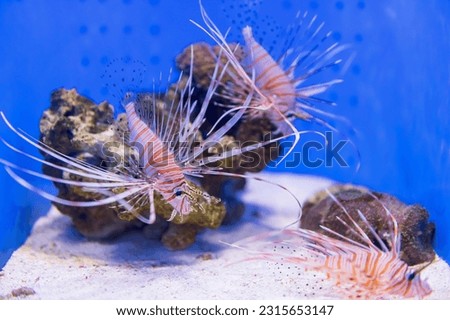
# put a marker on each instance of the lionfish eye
(411, 276)
(178, 193)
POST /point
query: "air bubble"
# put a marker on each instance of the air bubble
(337, 36)
(154, 30)
(127, 29)
(356, 69)
(313, 4)
(154, 60)
(339, 5)
(103, 29)
(358, 37)
(353, 101)
(85, 61)
(83, 29)
(287, 4)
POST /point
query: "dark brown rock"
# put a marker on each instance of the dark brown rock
(180, 236)
(416, 230)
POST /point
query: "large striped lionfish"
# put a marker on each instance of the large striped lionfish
(278, 91)
(358, 269)
(169, 155)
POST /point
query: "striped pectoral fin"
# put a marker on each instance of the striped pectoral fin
(151, 199)
(110, 199)
(85, 169)
(175, 213)
(316, 88)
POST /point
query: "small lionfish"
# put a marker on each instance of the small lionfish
(363, 270)
(169, 154)
(278, 93)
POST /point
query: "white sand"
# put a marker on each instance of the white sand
(57, 263)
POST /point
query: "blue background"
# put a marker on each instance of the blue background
(395, 94)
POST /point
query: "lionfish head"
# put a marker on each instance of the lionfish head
(186, 199)
(418, 286)
(181, 200)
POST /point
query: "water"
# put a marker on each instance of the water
(395, 91)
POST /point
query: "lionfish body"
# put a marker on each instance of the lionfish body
(278, 93)
(277, 90)
(158, 163)
(359, 270)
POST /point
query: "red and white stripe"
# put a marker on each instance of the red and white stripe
(158, 162)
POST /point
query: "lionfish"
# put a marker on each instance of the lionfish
(169, 155)
(359, 269)
(277, 91)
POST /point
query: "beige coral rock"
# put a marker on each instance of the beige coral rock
(76, 126)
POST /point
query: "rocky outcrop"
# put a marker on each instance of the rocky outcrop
(416, 230)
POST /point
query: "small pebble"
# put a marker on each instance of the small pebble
(23, 292)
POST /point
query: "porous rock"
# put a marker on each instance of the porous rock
(416, 230)
(75, 126)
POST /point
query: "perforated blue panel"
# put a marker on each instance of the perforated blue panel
(395, 94)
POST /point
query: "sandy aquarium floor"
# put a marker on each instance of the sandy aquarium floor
(57, 263)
